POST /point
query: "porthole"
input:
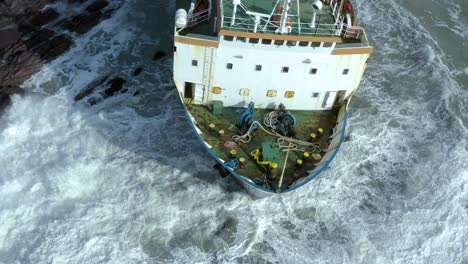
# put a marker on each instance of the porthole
(271, 93)
(289, 94)
(244, 92)
(216, 90)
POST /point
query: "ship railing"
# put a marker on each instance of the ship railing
(337, 138)
(248, 25)
(302, 29)
(354, 33)
(199, 17)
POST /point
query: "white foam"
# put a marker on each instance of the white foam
(121, 182)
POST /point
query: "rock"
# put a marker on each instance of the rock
(82, 23)
(116, 85)
(6, 92)
(8, 37)
(45, 17)
(159, 55)
(54, 47)
(28, 39)
(76, 1)
(97, 5)
(33, 20)
(136, 93)
(90, 88)
(137, 71)
(38, 38)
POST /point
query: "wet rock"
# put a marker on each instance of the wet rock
(137, 71)
(38, 38)
(55, 47)
(27, 39)
(159, 55)
(8, 37)
(76, 1)
(82, 23)
(32, 20)
(97, 6)
(90, 88)
(44, 17)
(116, 85)
(136, 93)
(6, 92)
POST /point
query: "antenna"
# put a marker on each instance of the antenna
(234, 11)
(283, 29)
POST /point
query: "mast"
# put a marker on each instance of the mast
(283, 29)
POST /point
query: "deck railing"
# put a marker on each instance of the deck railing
(199, 17)
(302, 29)
(337, 139)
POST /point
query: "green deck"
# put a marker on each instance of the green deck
(307, 122)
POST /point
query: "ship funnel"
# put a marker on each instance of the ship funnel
(317, 6)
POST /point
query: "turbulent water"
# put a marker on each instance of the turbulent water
(125, 181)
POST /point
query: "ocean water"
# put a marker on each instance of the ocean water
(125, 181)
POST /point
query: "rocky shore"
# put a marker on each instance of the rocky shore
(31, 34)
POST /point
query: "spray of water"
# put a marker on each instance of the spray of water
(125, 181)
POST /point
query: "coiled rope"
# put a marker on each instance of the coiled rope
(246, 138)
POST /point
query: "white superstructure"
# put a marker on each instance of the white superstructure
(237, 67)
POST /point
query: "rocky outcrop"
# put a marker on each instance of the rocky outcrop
(31, 36)
(116, 85)
(5, 92)
(159, 55)
(137, 71)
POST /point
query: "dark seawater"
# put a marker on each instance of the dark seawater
(125, 181)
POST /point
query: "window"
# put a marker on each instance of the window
(316, 44)
(285, 69)
(304, 43)
(258, 67)
(266, 41)
(229, 66)
(240, 39)
(216, 90)
(244, 92)
(327, 44)
(291, 43)
(253, 40)
(228, 38)
(194, 63)
(315, 95)
(175, 48)
(313, 71)
(345, 71)
(271, 93)
(289, 94)
(279, 42)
